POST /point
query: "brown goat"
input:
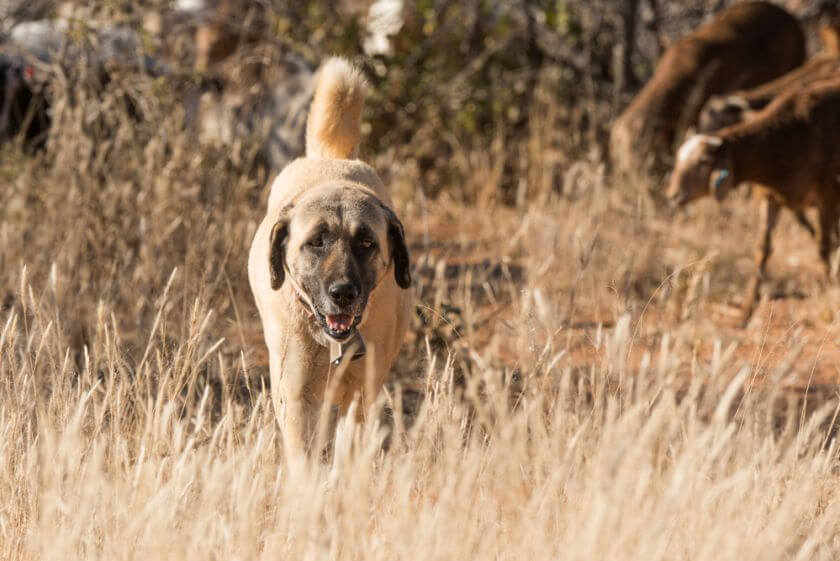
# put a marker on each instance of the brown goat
(747, 44)
(725, 111)
(788, 151)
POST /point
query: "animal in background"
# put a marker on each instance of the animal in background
(34, 50)
(788, 151)
(727, 110)
(745, 45)
(23, 105)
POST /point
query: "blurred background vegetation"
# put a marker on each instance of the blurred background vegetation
(522, 88)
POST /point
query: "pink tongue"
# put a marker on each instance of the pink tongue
(340, 322)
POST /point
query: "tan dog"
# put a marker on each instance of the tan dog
(329, 265)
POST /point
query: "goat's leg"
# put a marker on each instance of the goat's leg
(827, 234)
(835, 229)
(769, 217)
(805, 223)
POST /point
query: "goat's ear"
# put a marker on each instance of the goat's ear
(277, 253)
(399, 249)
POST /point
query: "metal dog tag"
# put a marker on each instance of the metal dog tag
(354, 345)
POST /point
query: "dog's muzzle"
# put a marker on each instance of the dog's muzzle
(353, 342)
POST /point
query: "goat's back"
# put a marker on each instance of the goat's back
(798, 134)
(747, 44)
(718, 111)
(815, 105)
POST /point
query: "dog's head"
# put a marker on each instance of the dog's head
(337, 244)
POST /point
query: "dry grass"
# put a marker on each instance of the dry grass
(573, 386)
(110, 456)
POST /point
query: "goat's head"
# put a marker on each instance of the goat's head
(703, 167)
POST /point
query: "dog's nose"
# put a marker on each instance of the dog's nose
(343, 293)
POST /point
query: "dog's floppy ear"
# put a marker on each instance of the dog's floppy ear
(399, 249)
(277, 253)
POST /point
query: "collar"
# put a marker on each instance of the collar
(722, 175)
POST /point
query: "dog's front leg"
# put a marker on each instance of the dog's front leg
(295, 390)
(297, 405)
(298, 418)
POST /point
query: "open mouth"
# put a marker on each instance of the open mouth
(338, 326)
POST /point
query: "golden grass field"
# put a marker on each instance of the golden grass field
(575, 384)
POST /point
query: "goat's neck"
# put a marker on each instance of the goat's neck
(752, 158)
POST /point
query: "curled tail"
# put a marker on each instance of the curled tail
(333, 129)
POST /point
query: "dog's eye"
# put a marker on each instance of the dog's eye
(316, 242)
(368, 243)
